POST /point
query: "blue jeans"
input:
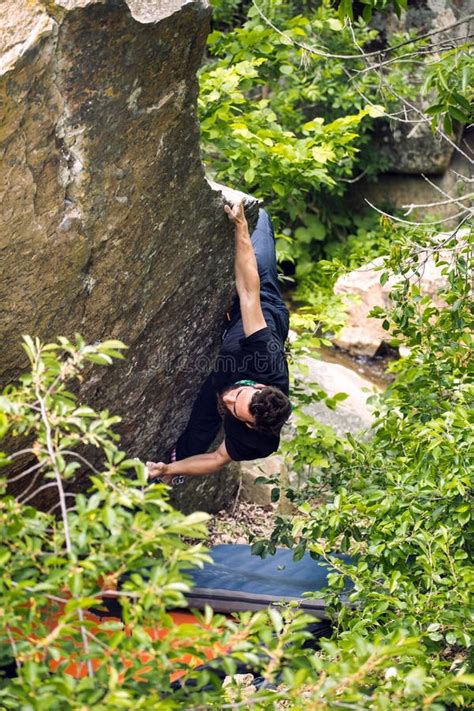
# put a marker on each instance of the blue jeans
(273, 307)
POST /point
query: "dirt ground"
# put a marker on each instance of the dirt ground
(237, 525)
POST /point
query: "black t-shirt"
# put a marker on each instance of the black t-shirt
(259, 357)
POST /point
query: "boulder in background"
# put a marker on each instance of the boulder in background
(363, 335)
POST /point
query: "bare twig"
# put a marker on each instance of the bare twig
(42, 488)
(22, 500)
(69, 509)
(382, 52)
(21, 452)
(116, 593)
(48, 596)
(437, 129)
(62, 497)
(85, 642)
(356, 179)
(54, 464)
(405, 58)
(30, 486)
(449, 201)
(409, 222)
(393, 115)
(461, 224)
(441, 191)
(81, 458)
(464, 178)
(25, 473)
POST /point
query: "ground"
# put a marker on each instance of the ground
(236, 525)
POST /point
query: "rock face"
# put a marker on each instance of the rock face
(362, 290)
(403, 191)
(413, 148)
(258, 493)
(107, 224)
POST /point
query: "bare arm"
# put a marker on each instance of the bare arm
(198, 465)
(247, 280)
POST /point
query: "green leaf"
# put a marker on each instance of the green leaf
(115, 345)
(99, 358)
(458, 114)
(345, 9)
(322, 154)
(276, 619)
(249, 175)
(375, 111)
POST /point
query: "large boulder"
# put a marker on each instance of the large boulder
(414, 148)
(362, 291)
(391, 191)
(351, 415)
(108, 226)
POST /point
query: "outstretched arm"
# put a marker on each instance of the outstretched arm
(191, 466)
(247, 280)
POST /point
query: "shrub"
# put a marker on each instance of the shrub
(401, 501)
(57, 564)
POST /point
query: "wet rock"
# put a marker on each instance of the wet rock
(353, 414)
(107, 224)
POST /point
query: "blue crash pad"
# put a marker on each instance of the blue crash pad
(238, 581)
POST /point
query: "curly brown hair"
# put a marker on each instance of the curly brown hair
(271, 408)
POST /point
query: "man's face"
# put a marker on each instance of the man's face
(235, 401)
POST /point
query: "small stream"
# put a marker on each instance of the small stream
(372, 369)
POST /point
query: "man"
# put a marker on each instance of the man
(247, 391)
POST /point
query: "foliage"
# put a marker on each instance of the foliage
(289, 99)
(452, 81)
(261, 107)
(224, 12)
(56, 567)
(320, 310)
(125, 535)
(289, 125)
(347, 10)
(400, 501)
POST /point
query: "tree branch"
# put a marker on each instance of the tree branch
(61, 493)
(329, 55)
(409, 222)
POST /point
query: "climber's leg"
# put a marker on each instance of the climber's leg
(263, 242)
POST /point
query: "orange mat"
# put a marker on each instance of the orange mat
(77, 668)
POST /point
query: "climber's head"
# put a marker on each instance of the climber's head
(264, 408)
